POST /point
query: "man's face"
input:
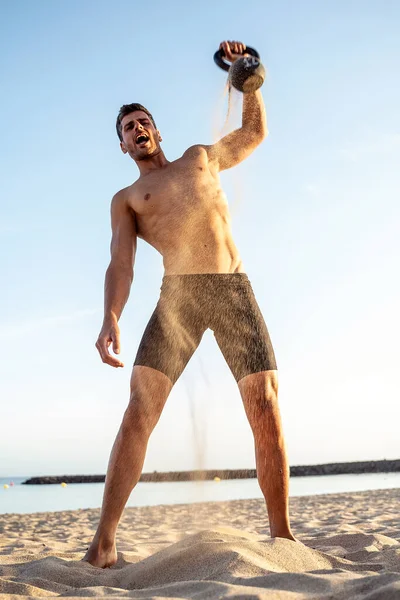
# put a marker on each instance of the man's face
(140, 139)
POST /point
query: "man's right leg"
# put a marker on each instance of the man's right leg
(170, 338)
(149, 391)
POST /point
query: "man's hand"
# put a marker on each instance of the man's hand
(109, 333)
(233, 50)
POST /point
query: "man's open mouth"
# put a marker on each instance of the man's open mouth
(142, 138)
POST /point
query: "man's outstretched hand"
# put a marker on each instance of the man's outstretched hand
(233, 50)
(109, 334)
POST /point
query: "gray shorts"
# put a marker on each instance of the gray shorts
(190, 304)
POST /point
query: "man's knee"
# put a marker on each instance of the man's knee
(140, 418)
(149, 392)
(259, 393)
(149, 382)
(260, 387)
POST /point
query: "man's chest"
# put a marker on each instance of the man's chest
(181, 188)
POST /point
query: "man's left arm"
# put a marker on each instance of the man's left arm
(233, 148)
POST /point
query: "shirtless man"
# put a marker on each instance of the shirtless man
(180, 209)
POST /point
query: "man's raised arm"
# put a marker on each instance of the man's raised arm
(233, 148)
(119, 276)
(238, 145)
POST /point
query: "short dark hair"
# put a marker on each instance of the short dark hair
(126, 109)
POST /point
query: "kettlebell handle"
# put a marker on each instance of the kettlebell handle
(219, 57)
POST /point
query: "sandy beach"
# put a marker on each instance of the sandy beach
(350, 549)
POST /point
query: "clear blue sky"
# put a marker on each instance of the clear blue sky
(315, 216)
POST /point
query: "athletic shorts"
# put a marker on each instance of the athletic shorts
(190, 304)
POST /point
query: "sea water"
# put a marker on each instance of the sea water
(42, 498)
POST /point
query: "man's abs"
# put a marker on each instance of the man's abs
(203, 255)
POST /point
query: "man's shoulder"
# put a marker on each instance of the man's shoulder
(204, 153)
(123, 198)
(124, 195)
(196, 150)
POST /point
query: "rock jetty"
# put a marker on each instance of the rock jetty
(370, 466)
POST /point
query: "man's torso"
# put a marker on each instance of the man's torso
(182, 211)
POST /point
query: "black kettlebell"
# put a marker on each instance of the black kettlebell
(247, 73)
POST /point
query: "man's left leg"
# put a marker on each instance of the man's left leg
(244, 340)
(259, 393)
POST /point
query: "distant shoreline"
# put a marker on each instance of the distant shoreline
(348, 468)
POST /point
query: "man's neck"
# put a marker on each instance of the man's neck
(152, 163)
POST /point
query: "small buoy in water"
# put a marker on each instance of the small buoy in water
(5, 486)
(63, 484)
(217, 479)
(11, 483)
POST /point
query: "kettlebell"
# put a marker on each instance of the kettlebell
(246, 74)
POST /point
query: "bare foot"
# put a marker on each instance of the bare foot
(287, 536)
(101, 556)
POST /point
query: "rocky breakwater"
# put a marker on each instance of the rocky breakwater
(370, 466)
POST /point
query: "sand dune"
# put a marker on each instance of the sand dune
(349, 549)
